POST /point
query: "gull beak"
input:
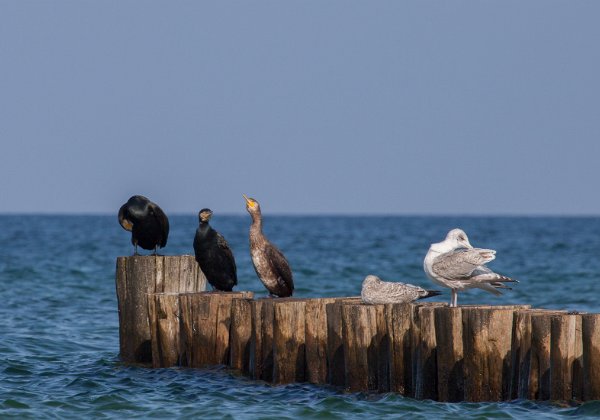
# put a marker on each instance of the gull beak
(466, 244)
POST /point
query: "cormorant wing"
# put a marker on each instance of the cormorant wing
(281, 266)
(461, 263)
(163, 222)
(225, 247)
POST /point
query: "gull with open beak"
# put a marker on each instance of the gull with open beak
(455, 264)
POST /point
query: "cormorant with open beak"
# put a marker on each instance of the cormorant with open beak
(269, 262)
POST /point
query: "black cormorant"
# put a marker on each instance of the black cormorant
(146, 221)
(270, 264)
(214, 255)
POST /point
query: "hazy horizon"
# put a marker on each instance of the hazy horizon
(339, 107)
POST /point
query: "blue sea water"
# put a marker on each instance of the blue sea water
(59, 326)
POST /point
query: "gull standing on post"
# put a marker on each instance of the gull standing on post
(455, 264)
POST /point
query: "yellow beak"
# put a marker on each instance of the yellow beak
(248, 202)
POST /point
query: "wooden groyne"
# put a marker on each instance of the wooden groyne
(137, 276)
(420, 350)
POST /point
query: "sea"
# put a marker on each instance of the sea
(59, 333)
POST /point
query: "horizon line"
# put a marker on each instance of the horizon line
(327, 214)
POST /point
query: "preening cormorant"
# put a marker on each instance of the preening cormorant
(214, 255)
(269, 263)
(146, 221)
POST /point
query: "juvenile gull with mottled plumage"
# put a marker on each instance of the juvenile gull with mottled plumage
(455, 264)
(375, 290)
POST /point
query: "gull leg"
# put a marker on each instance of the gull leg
(454, 299)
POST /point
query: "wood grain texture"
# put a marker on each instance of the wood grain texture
(137, 276)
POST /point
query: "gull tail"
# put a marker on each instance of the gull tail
(430, 293)
(491, 282)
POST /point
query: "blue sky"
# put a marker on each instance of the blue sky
(395, 107)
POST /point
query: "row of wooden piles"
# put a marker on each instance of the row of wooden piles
(423, 350)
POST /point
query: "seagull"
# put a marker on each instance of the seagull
(455, 264)
(375, 290)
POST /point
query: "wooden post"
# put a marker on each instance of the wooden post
(261, 344)
(448, 335)
(316, 340)
(398, 319)
(240, 335)
(426, 355)
(206, 319)
(539, 370)
(591, 356)
(487, 336)
(289, 325)
(136, 276)
(335, 344)
(383, 345)
(359, 328)
(566, 353)
(163, 313)
(521, 353)
(529, 352)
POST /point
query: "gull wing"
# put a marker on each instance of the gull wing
(460, 264)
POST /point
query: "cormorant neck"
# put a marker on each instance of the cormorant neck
(204, 227)
(256, 222)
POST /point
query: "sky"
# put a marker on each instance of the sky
(311, 107)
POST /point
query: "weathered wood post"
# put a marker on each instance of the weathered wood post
(591, 356)
(526, 351)
(426, 354)
(240, 335)
(521, 353)
(566, 357)
(163, 314)
(335, 344)
(205, 319)
(448, 335)
(136, 276)
(398, 319)
(316, 340)
(289, 326)
(359, 334)
(261, 343)
(383, 343)
(487, 339)
(539, 386)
